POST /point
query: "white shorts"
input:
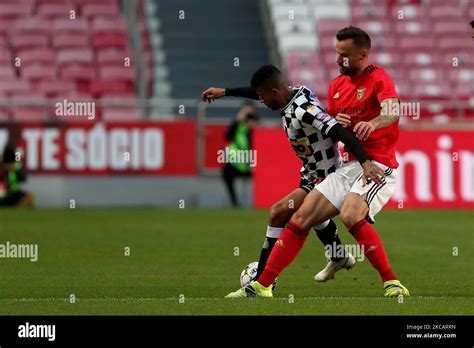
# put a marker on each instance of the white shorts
(348, 178)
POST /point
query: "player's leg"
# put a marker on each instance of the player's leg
(314, 210)
(280, 214)
(228, 174)
(361, 204)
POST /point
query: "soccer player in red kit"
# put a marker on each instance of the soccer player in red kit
(363, 99)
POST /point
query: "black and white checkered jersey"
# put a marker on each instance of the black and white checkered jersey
(306, 125)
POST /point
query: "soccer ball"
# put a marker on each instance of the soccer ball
(248, 274)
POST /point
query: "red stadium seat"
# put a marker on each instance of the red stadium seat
(98, 87)
(118, 40)
(68, 40)
(425, 75)
(363, 12)
(420, 59)
(416, 43)
(458, 43)
(431, 91)
(464, 89)
(53, 88)
(33, 25)
(385, 59)
(5, 57)
(30, 113)
(461, 75)
(440, 13)
(303, 59)
(331, 26)
(411, 27)
(452, 28)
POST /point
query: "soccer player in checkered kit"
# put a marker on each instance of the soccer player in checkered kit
(348, 190)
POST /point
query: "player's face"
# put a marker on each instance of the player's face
(269, 97)
(350, 58)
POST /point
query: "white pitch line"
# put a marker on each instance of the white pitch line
(51, 299)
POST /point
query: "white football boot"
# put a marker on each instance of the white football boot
(333, 266)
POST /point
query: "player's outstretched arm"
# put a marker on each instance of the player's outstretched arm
(371, 171)
(213, 93)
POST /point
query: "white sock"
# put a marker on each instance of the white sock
(274, 232)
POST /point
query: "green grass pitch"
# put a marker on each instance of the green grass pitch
(192, 253)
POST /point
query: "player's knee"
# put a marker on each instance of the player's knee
(278, 215)
(349, 217)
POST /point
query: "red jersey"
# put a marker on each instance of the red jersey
(360, 98)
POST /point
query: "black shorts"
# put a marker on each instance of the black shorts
(308, 185)
(12, 199)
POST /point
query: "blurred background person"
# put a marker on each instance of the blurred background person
(239, 135)
(12, 174)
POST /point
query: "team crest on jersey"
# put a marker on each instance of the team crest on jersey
(336, 95)
(360, 93)
(310, 107)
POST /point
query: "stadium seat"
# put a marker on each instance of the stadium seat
(52, 88)
(91, 10)
(67, 26)
(75, 55)
(78, 72)
(7, 72)
(56, 10)
(20, 40)
(15, 10)
(41, 55)
(68, 40)
(112, 56)
(120, 114)
(38, 72)
(11, 86)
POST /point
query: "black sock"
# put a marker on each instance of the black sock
(330, 239)
(265, 253)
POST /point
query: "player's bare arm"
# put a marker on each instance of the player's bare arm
(385, 119)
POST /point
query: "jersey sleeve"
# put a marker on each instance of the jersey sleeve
(385, 88)
(331, 107)
(313, 114)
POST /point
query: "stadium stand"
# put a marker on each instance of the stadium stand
(66, 48)
(427, 41)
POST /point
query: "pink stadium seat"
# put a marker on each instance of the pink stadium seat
(36, 55)
(113, 56)
(452, 28)
(78, 72)
(420, 59)
(464, 89)
(34, 25)
(331, 26)
(38, 72)
(416, 43)
(30, 113)
(117, 73)
(363, 12)
(385, 59)
(6, 57)
(65, 40)
(7, 72)
(384, 42)
(11, 86)
(4, 115)
(120, 114)
(408, 12)
(459, 43)
(426, 75)
(75, 55)
(411, 27)
(439, 13)
(461, 75)
(56, 10)
(29, 40)
(303, 58)
(431, 91)
(108, 25)
(374, 27)
(15, 10)
(100, 10)
(67, 26)
(327, 42)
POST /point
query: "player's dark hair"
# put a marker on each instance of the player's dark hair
(472, 24)
(361, 38)
(8, 155)
(266, 76)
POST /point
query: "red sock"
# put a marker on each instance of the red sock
(284, 252)
(368, 237)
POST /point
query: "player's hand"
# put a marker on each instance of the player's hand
(371, 172)
(343, 119)
(212, 93)
(363, 130)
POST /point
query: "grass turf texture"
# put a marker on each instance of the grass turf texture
(191, 252)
